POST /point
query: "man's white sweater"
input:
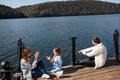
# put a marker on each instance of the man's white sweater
(100, 53)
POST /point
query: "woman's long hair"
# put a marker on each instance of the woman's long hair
(26, 53)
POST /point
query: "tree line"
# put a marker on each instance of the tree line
(7, 13)
(66, 8)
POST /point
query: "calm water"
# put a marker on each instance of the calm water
(44, 34)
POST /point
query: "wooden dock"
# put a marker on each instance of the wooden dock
(111, 71)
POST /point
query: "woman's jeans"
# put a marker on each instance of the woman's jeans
(39, 70)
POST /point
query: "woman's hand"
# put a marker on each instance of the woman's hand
(36, 55)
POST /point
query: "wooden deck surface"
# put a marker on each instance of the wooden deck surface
(111, 71)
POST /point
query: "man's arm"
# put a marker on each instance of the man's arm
(86, 50)
(92, 51)
(90, 54)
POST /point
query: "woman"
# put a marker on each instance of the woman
(28, 70)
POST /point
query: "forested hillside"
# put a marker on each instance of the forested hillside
(70, 8)
(62, 8)
(7, 12)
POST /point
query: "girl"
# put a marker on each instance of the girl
(57, 63)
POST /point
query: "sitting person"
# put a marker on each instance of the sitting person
(37, 67)
(98, 51)
(56, 70)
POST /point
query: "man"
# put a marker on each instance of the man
(98, 51)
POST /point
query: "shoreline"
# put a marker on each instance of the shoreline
(61, 16)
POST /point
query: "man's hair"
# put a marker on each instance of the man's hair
(96, 40)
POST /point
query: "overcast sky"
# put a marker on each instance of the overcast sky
(18, 3)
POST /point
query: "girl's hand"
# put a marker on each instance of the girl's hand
(36, 55)
(48, 58)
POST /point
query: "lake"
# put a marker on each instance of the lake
(44, 34)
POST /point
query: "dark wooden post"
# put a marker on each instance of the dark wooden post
(73, 51)
(20, 47)
(116, 43)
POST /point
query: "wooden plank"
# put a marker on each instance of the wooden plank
(102, 76)
(89, 70)
(111, 71)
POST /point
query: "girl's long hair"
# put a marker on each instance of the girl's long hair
(26, 53)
